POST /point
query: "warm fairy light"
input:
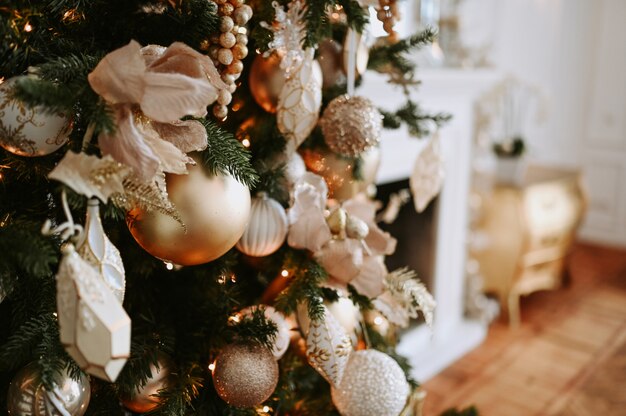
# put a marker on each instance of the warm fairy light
(28, 27)
(233, 278)
(169, 266)
(245, 142)
(378, 320)
(1, 176)
(284, 273)
(266, 409)
(221, 280)
(54, 314)
(235, 318)
(211, 366)
(1, 80)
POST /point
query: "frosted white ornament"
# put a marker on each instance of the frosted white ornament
(267, 228)
(373, 384)
(283, 333)
(300, 100)
(28, 131)
(428, 175)
(93, 326)
(100, 252)
(328, 347)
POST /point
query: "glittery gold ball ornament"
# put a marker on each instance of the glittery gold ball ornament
(144, 399)
(214, 208)
(245, 375)
(372, 384)
(27, 396)
(267, 228)
(29, 131)
(338, 171)
(351, 125)
(266, 81)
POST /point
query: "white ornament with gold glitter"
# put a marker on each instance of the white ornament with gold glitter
(328, 346)
(428, 175)
(373, 384)
(100, 252)
(28, 131)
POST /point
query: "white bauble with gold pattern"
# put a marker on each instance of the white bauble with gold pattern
(267, 228)
(300, 101)
(29, 131)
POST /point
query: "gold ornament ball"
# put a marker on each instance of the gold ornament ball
(245, 375)
(28, 131)
(266, 81)
(27, 396)
(144, 398)
(351, 125)
(338, 171)
(214, 208)
(373, 384)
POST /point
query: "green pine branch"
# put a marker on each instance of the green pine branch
(225, 154)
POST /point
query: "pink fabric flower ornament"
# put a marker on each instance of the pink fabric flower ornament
(348, 259)
(150, 89)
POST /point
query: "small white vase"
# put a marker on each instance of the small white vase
(510, 171)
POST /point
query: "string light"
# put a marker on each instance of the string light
(284, 273)
(245, 142)
(233, 278)
(211, 367)
(378, 320)
(28, 27)
(235, 318)
(169, 266)
(266, 409)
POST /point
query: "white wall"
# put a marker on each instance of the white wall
(575, 51)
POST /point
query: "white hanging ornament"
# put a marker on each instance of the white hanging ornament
(300, 101)
(328, 346)
(373, 384)
(267, 228)
(93, 325)
(27, 131)
(100, 252)
(428, 174)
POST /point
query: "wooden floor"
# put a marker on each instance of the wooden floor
(568, 358)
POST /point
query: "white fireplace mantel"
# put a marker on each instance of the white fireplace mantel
(453, 91)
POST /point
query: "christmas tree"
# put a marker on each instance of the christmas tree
(186, 214)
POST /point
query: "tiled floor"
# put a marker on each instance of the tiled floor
(568, 358)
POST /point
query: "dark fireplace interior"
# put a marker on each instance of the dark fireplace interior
(415, 232)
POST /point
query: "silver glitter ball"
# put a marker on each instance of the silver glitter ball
(27, 395)
(372, 384)
(351, 125)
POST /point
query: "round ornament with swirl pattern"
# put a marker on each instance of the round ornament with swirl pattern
(351, 125)
(267, 228)
(28, 396)
(29, 131)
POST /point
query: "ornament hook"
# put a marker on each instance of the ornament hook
(67, 230)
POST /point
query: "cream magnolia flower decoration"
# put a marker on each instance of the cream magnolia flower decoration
(150, 89)
(347, 242)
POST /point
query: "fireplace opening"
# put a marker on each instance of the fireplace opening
(415, 232)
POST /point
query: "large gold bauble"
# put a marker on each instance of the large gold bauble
(27, 396)
(338, 171)
(266, 81)
(215, 210)
(245, 375)
(144, 398)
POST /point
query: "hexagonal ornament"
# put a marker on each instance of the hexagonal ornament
(93, 326)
